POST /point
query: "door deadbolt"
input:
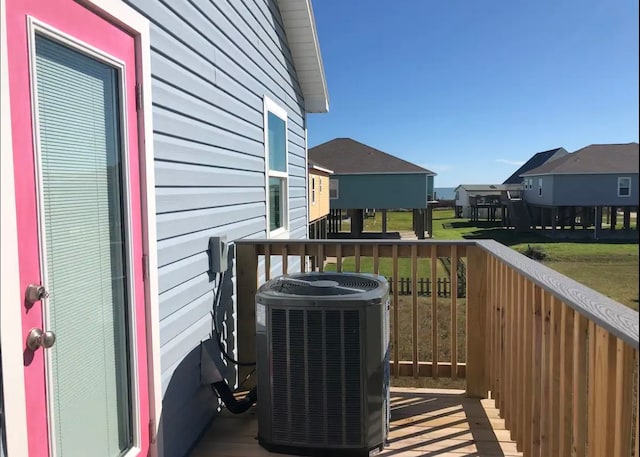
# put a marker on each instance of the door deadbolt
(35, 292)
(38, 338)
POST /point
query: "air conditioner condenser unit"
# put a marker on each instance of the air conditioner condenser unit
(323, 363)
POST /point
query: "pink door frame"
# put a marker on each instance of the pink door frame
(85, 25)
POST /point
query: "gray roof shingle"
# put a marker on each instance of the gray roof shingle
(534, 162)
(596, 158)
(344, 155)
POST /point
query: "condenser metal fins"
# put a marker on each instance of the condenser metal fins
(323, 375)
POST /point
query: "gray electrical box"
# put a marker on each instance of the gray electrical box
(218, 254)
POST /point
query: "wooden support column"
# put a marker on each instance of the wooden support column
(554, 218)
(247, 284)
(420, 223)
(384, 221)
(572, 216)
(585, 217)
(476, 374)
(627, 218)
(357, 222)
(614, 217)
(542, 224)
(598, 222)
(561, 217)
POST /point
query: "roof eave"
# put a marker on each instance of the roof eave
(427, 173)
(322, 169)
(550, 173)
(302, 36)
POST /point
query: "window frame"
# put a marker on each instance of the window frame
(337, 189)
(313, 190)
(620, 180)
(270, 106)
(539, 187)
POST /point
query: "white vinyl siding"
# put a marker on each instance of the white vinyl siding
(212, 64)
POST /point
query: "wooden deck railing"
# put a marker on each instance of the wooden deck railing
(560, 359)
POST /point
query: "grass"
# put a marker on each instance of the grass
(583, 261)
(608, 267)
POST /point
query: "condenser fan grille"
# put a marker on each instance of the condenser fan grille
(325, 285)
(316, 373)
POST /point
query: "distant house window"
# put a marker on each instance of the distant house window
(540, 187)
(313, 190)
(624, 187)
(277, 177)
(320, 186)
(333, 189)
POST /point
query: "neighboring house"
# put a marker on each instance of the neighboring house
(474, 201)
(131, 133)
(318, 200)
(535, 161)
(596, 177)
(367, 178)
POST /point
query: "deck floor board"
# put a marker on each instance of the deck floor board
(424, 422)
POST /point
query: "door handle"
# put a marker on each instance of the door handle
(39, 338)
(34, 293)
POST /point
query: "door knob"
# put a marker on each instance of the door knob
(38, 338)
(34, 293)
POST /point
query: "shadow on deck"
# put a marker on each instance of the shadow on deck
(424, 422)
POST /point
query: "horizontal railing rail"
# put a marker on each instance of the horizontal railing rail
(560, 359)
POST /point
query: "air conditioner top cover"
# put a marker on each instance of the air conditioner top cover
(350, 287)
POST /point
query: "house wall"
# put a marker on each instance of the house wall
(593, 190)
(321, 206)
(212, 62)
(583, 190)
(462, 197)
(382, 191)
(532, 196)
(430, 184)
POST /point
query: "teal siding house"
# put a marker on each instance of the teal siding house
(367, 178)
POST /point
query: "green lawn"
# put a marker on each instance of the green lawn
(608, 267)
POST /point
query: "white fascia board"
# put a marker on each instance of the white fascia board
(300, 28)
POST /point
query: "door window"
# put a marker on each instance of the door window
(85, 249)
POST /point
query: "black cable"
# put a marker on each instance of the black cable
(246, 378)
(214, 326)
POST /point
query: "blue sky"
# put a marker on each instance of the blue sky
(471, 89)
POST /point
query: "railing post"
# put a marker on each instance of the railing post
(476, 317)
(247, 286)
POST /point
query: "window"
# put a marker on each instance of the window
(313, 190)
(540, 187)
(333, 189)
(275, 119)
(320, 185)
(624, 187)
